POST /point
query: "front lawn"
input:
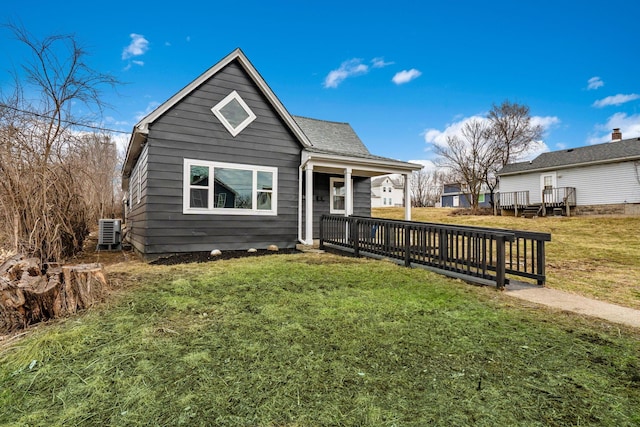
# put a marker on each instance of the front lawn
(317, 340)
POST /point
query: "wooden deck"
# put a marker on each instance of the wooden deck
(554, 201)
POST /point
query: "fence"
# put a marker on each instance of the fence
(483, 255)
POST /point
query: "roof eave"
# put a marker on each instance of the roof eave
(378, 165)
(237, 54)
(573, 165)
(141, 129)
(137, 141)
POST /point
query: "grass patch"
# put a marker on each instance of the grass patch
(308, 340)
(594, 256)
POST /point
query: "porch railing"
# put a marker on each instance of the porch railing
(558, 197)
(514, 198)
(477, 254)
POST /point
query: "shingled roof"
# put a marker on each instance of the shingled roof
(332, 137)
(335, 138)
(610, 152)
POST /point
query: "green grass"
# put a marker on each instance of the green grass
(594, 256)
(317, 340)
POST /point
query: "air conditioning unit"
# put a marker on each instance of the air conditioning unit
(109, 232)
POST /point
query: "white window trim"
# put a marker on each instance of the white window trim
(211, 210)
(216, 110)
(333, 180)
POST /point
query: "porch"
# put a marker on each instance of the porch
(335, 177)
(552, 201)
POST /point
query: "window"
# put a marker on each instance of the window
(384, 200)
(338, 193)
(229, 189)
(233, 113)
(384, 189)
(481, 198)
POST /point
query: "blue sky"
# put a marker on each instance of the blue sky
(404, 74)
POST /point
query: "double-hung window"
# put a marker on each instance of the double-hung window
(229, 188)
(338, 190)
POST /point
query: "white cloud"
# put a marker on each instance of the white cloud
(150, 107)
(427, 165)
(628, 125)
(121, 140)
(439, 137)
(379, 63)
(138, 46)
(350, 68)
(113, 122)
(616, 100)
(547, 122)
(406, 76)
(594, 83)
(140, 63)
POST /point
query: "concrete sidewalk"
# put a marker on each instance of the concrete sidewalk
(575, 303)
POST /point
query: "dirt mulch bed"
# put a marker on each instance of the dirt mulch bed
(189, 257)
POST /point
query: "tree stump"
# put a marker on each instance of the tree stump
(31, 294)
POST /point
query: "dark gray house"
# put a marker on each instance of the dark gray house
(454, 196)
(223, 165)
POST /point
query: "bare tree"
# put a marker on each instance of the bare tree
(96, 160)
(467, 156)
(426, 187)
(512, 136)
(41, 188)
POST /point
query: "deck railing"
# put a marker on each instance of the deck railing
(477, 254)
(558, 197)
(516, 200)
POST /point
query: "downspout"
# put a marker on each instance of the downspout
(300, 205)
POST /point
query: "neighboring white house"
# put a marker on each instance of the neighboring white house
(387, 191)
(602, 178)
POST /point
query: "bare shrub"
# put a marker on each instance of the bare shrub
(44, 204)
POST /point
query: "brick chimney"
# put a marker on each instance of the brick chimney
(616, 135)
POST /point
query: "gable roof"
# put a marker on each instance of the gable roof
(329, 139)
(141, 129)
(332, 137)
(377, 182)
(609, 152)
(339, 140)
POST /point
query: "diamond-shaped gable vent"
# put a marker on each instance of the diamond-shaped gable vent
(233, 113)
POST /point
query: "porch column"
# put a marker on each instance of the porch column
(407, 197)
(348, 199)
(308, 193)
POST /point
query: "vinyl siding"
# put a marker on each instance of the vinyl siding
(394, 196)
(136, 219)
(189, 130)
(446, 201)
(525, 182)
(603, 184)
(321, 196)
(595, 185)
